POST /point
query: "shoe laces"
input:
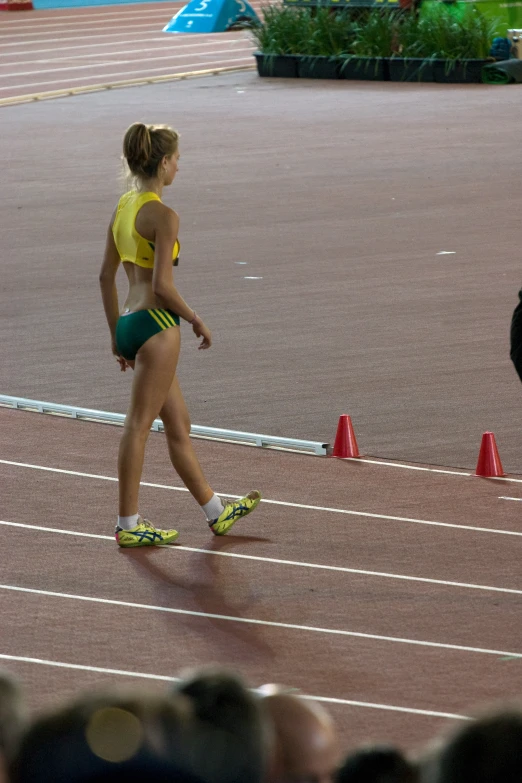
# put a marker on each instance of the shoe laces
(148, 523)
(231, 501)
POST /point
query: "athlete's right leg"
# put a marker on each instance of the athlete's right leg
(154, 370)
(221, 515)
(176, 421)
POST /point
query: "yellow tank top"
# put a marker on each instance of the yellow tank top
(130, 245)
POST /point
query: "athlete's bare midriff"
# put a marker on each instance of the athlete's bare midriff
(141, 295)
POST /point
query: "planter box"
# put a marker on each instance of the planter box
(318, 67)
(459, 72)
(396, 69)
(373, 69)
(281, 65)
(411, 69)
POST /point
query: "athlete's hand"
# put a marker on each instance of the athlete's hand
(200, 330)
(121, 361)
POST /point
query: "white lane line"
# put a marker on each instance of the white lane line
(54, 28)
(77, 14)
(108, 63)
(63, 532)
(412, 710)
(163, 678)
(23, 51)
(125, 37)
(111, 18)
(153, 27)
(174, 46)
(93, 16)
(349, 512)
(503, 497)
(279, 561)
(446, 471)
(142, 72)
(139, 38)
(266, 623)
(84, 668)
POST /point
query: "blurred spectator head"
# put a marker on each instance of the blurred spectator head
(487, 750)
(13, 717)
(376, 764)
(306, 748)
(234, 729)
(108, 737)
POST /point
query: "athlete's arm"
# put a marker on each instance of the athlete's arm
(165, 235)
(109, 293)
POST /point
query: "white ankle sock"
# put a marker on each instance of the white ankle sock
(127, 523)
(213, 508)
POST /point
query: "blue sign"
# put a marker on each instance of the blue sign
(211, 16)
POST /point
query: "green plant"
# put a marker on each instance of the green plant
(377, 34)
(283, 30)
(480, 32)
(291, 30)
(451, 33)
(408, 44)
(448, 32)
(332, 32)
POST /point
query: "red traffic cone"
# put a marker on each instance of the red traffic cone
(489, 464)
(345, 443)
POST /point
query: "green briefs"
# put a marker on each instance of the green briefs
(135, 328)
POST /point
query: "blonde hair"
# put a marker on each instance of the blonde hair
(144, 146)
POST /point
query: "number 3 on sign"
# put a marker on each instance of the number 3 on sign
(242, 6)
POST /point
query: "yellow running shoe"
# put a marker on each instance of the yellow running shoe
(234, 510)
(145, 534)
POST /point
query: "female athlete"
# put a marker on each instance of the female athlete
(146, 336)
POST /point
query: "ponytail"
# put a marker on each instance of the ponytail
(144, 147)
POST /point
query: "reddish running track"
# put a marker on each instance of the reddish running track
(390, 593)
(70, 49)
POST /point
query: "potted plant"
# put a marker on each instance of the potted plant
(374, 42)
(411, 60)
(472, 48)
(282, 35)
(331, 38)
(443, 45)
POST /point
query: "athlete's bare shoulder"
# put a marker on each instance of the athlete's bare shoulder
(159, 211)
(167, 212)
(156, 216)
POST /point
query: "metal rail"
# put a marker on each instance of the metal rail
(196, 431)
